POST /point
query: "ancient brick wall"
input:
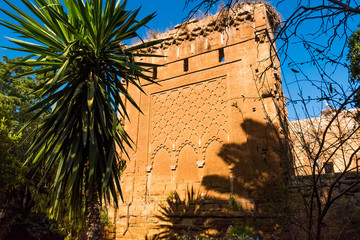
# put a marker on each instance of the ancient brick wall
(211, 124)
(340, 142)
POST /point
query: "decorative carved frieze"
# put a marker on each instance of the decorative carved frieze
(189, 115)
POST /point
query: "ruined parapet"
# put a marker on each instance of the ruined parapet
(227, 18)
(207, 125)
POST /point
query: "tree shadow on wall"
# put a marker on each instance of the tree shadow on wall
(253, 193)
(256, 167)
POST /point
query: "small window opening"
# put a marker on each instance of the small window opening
(186, 64)
(221, 55)
(154, 72)
(329, 167)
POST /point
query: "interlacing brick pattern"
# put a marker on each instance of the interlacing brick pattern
(195, 113)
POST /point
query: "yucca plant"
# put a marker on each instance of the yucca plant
(78, 46)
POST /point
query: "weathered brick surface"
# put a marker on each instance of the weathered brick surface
(204, 126)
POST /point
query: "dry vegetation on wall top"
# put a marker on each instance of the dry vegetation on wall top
(191, 29)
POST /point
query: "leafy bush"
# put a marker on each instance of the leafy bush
(241, 232)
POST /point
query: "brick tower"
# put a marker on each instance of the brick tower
(208, 126)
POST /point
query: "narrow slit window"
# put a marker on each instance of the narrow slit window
(186, 64)
(221, 55)
(155, 73)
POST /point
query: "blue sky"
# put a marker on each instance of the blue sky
(170, 13)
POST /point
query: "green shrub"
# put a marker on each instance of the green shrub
(241, 232)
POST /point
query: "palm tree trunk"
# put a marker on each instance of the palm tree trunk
(93, 219)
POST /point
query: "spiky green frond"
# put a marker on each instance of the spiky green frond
(77, 46)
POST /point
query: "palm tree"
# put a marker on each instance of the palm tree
(78, 46)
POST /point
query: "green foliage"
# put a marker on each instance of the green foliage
(233, 203)
(241, 232)
(354, 56)
(18, 188)
(11, 173)
(15, 98)
(77, 46)
(236, 232)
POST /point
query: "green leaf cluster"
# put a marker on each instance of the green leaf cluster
(16, 202)
(354, 56)
(11, 174)
(15, 98)
(77, 46)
